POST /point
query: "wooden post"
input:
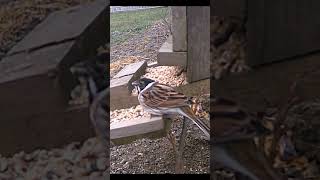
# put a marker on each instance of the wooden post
(179, 28)
(198, 28)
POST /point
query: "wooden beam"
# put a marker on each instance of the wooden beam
(35, 81)
(120, 97)
(282, 29)
(271, 83)
(167, 57)
(37, 64)
(136, 126)
(198, 24)
(147, 127)
(120, 86)
(229, 8)
(39, 131)
(179, 28)
(83, 24)
(195, 88)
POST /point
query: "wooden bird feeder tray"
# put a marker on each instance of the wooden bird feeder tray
(151, 126)
(120, 95)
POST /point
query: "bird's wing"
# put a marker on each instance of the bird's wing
(163, 96)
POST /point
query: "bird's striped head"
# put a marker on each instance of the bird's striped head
(140, 84)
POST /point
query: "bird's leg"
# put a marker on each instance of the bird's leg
(179, 157)
(172, 140)
(170, 137)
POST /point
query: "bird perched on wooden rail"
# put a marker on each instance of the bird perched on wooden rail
(159, 99)
(233, 146)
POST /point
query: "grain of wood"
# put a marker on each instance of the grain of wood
(198, 23)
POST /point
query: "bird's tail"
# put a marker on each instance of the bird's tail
(244, 156)
(187, 112)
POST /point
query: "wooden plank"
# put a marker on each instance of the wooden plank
(282, 29)
(136, 126)
(138, 69)
(35, 80)
(27, 65)
(195, 88)
(271, 83)
(70, 23)
(23, 73)
(120, 93)
(198, 23)
(167, 57)
(256, 30)
(84, 25)
(149, 127)
(40, 130)
(153, 64)
(179, 28)
(120, 86)
(229, 8)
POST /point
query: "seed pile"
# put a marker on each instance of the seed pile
(74, 161)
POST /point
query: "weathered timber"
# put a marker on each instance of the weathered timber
(195, 88)
(229, 8)
(86, 24)
(168, 57)
(270, 84)
(35, 82)
(137, 69)
(147, 127)
(282, 29)
(39, 131)
(198, 23)
(29, 83)
(179, 28)
(120, 86)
